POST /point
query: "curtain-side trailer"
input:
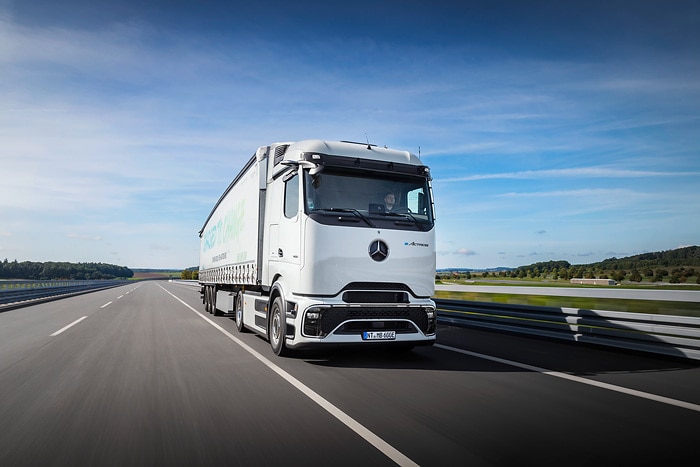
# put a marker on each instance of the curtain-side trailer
(319, 242)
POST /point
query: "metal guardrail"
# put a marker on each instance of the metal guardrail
(677, 336)
(17, 292)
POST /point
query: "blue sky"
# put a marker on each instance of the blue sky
(554, 130)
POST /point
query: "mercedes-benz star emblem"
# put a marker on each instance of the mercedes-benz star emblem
(378, 250)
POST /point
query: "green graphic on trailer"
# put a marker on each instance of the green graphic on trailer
(227, 229)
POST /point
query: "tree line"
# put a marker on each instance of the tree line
(648, 274)
(62, 270)
(680, 257)
(674, 266)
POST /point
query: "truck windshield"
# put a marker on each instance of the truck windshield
(388, 200)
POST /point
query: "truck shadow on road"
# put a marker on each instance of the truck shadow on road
(550, 354)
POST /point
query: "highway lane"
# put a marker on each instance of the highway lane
(147, 380)
(24, 330)
(144, 381)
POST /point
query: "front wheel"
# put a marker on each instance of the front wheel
(278, 327)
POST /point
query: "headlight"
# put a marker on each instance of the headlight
(312, 321)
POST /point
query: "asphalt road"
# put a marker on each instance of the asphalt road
(145, 377)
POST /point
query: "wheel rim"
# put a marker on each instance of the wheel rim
(239, 311)
(275, 331)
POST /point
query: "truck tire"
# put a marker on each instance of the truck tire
(278, 327)
(214, 311)
(239, 312)
(209, 298)
(206, 298)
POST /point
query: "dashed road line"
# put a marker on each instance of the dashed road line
(67, 327)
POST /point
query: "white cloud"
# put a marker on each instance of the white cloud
(584, 193)
(94, 238)
(583, 172)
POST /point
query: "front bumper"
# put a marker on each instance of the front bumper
(334, 323)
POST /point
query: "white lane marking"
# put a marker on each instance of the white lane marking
(578, 379)
(119, 297)
(106, 305)
(67, 327)
(384, 447)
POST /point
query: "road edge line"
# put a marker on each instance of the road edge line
(577, 379)
(373, 439)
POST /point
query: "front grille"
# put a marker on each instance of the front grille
(376, 286)
(333, 317)
(375, 297)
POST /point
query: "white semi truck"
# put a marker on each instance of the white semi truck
(305, 247)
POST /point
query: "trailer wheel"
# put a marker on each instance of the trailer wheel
(277, 328)
(206, 298)
(214, 311)
(239, 312)
(209, 299)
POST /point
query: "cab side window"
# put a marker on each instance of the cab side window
(291, 197)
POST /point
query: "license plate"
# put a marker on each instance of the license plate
(378, 335)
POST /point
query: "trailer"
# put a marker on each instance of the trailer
(321, 243)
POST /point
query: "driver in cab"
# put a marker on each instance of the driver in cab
(389, 202)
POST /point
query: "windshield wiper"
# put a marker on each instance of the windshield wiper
(350, 210)
(406, 215)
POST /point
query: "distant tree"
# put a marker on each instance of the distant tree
(186, 275)
(619, 276)
(635, 276)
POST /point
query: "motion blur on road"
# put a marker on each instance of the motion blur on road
(140, 375)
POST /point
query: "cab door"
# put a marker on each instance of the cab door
(285, 235)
